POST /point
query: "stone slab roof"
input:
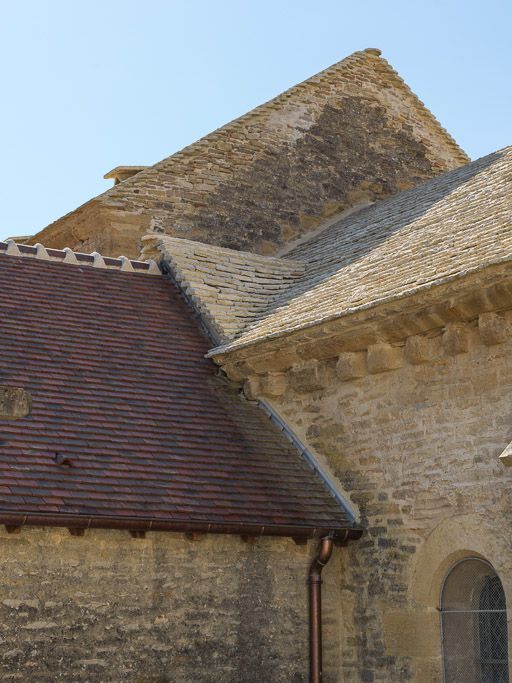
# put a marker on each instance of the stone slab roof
(441, 230)
(229, 288)
(354, 132)
(130, 426)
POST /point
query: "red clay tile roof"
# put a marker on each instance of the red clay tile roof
(120, 386)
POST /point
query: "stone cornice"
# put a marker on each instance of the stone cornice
(364, 341)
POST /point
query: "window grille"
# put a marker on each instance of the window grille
(474, 625)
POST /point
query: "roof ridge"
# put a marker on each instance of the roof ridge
(353, 59)
(70, 257)
(155, 241)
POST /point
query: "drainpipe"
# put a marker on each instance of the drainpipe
(315, 608)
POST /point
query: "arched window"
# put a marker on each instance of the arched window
(474, 624)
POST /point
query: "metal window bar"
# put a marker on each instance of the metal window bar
(474, 625)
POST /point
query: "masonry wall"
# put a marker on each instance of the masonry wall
(108, 608)
(416, 449)
(350, 135)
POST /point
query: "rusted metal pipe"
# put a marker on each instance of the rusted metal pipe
(315, 608)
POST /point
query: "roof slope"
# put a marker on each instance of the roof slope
(352, 133)
(440, 230)
(115, 365)
(229, 288)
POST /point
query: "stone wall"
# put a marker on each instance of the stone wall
(106, 607)
(413, 432)
(350, 135)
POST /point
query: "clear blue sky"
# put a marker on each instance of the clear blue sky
(91, 84)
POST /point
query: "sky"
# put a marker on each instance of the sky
(88, 85)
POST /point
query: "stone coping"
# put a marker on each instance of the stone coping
(66, 255)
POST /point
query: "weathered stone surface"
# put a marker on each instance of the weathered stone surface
(493, 328)
(351, 366)
(456, 339)
(350, 135)
(14, 403)
(252, 388)
(229, 288)
(273, 384)
(429, 311)
(280, 359)
(308, 377)
(444, 232)
(417, 453)
(383, 357)
(159, 609)
(419, 349)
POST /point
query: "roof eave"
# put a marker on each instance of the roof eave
(77, 521)
(221, 353)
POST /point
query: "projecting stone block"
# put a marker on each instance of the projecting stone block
(506, 456)
(308, 377)
(252, 388)
(419, 349)
(236, 371)
(351, 365)
(493, 328)
(281, 359)
(14, 403)
(456, 338)
(383, 357)
(273, 384)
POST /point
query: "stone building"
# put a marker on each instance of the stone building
(315, 344)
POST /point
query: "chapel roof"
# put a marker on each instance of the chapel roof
(353, 133)
(131, 426)
(444, 229)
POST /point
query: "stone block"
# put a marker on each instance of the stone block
(456, 338)
(236, 371)
(351, 365)
(281, 359)
(273, 384)
(252, 388)
(307, 378)
(14, 403)
(321, 349)
(419, 349)
(383, 357)
(493, 328)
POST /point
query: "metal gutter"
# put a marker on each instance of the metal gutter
(308, 457)
(14, 519)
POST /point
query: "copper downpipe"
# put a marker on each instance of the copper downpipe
(315, 609)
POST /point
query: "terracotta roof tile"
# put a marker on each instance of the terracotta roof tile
(121, 388)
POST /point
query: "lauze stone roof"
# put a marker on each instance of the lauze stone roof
(131, 427)
(444, 229)
(350, 134)
(229, 288)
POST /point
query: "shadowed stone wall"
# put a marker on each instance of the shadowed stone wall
(108, 608)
